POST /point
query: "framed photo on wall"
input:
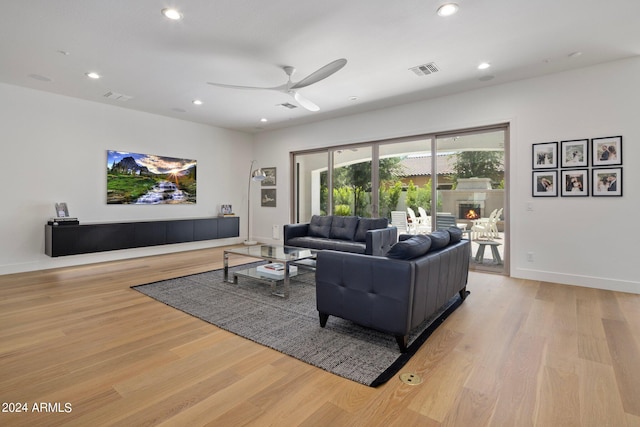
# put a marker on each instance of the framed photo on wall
(607, 182)
(545, 155)
(270, 177)
(575, 183)
(545, 184)
(574, 153)
(268, 198)
(606, 151)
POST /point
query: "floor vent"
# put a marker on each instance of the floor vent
(117, 96)
(425, 69)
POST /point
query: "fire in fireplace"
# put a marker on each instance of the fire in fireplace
(469, 211)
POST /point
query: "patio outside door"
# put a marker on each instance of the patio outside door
(470, 192)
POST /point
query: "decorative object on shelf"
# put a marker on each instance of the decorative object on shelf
(145, 179)
(254, 175)
(607, 182)
(606, 151)
(226, 210)
(268, 198)
(545, 155)
(574, 153)
(270, 177)
(62, 211)
(575, 183)
(62, 216)
(545, 183)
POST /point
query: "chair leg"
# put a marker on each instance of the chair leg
(463, 293)
(402, 341)
(323, 319)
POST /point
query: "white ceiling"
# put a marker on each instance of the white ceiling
(163, 65)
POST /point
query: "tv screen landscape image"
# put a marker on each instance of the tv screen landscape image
(147, 179)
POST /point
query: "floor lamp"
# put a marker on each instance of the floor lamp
(254, 175)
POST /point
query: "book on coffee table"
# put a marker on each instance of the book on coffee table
(275, 270)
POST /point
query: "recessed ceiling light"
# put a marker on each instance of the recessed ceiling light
(264, 120)
(197, 102)
(93, 75)
(484, 66)
(172, 14)
(448, 9)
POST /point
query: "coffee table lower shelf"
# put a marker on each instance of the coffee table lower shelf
(253, 273)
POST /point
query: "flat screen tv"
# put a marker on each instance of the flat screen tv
(148, 179)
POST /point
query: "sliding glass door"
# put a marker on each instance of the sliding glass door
(470, 188)
(352, 182)
(420, 184)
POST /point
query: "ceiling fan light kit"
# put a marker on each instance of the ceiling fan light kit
(290, 87)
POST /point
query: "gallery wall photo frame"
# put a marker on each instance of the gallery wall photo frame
(574, 183)
(545, 155)
(574, 153)
(268, 198)
(545, 183)
(606, 151)
(606, 182)
(270, 177)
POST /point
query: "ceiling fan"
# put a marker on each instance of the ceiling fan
(290, 87)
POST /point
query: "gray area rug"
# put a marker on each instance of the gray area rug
(291, 326)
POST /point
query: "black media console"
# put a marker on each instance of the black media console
(61, 240)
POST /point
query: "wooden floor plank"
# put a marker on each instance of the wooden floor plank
(625, 355)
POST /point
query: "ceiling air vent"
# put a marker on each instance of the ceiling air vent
(117, 96)
(288, 105)
(425, 69)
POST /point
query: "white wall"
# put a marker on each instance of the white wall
(582, 241)
(54, 149)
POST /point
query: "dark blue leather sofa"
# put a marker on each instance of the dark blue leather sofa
(368, 236)
(396, 292)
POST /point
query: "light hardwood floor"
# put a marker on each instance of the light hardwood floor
(516, 353)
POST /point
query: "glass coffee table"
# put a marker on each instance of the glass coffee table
(284, 255)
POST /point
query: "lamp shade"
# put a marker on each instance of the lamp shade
(258, 175)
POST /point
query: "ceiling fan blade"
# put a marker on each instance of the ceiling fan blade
(321, 74)
(304, 102)
(281, 87)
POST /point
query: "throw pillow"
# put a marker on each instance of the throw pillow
(366, 224)
(439, 239)
(455, 234)
(343, 227)
(410, 248)
(320, 226)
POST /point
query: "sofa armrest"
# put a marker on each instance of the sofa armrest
(369, 290)
(379, 241)
(295, 230)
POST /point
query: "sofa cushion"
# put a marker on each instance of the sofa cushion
(455, 235)
(366, 224)
(320, 226)
(343, 227)
(410, 248)
(330, 244)
(439, 239)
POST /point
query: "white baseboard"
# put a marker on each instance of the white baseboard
(578, 280)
